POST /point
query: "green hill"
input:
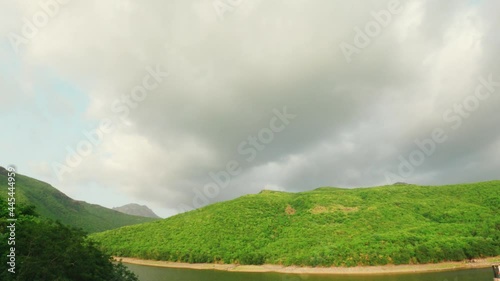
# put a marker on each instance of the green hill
(53, 204)
(397, 224)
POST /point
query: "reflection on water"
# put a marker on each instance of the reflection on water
(148, 273)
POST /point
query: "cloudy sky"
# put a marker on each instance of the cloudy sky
(177, 104)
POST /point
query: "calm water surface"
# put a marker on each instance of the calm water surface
(149, 273)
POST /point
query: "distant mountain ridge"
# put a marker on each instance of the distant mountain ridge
(54, 204)
(137, 210)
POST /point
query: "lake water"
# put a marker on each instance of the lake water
(149, 273)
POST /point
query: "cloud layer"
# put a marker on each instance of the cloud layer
(226, 76)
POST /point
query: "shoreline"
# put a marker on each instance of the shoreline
(357, 270)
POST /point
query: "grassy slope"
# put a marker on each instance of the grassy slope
(326, 226)
(52, 203)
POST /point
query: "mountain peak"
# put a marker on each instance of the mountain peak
(136, 210)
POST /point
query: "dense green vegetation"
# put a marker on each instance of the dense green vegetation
(53, 204)
(48, 250)
(399, 224)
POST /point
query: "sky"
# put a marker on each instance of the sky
(180, 104)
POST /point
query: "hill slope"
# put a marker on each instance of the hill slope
(327, 226)
(53, 204)
(136, 210)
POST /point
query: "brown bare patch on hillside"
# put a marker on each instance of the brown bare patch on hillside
(289, 210)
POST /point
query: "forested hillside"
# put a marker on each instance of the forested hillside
(53, 204)
(399, 224)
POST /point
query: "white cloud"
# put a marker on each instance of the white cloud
(353, 120)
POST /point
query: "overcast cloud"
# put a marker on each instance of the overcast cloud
(228, 74)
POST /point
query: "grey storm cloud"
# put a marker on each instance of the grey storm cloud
(226, 76)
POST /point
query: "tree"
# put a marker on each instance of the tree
(49, 250)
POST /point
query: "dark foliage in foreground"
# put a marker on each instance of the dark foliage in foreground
(48, 250)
